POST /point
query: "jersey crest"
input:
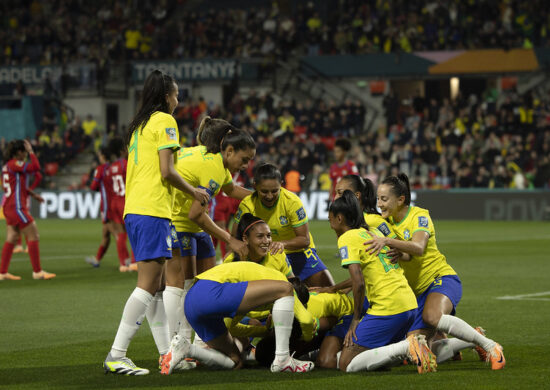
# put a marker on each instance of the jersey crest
(283, 220)
(406, 234)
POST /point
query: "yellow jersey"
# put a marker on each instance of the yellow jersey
(277, 262)
(147, 193)
(247, 271)
(287, 213)
(387, 289)
(329, 305)
(376, 221)
(199, 169)
(421, 271)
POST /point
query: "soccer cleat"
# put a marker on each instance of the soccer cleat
(43, 275)
(496, 357)
(122, 366)
(420, 354)
(292, 365)
(133, 267)
(8, 276)
(184, 365)
(480, 351)
(92, 261)
(123, 268)
(179, 349)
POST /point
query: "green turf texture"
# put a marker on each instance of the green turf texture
(56, 333)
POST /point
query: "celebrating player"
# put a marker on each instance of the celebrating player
(236, 288)
(376, 340)
(435, 283)
(284, 212)
(222, 151)
(152, 139)
(15, 208)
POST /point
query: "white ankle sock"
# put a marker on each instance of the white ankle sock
(445, 349)
(211, 357)
(156, 317)
(283, 316)
(460, 329)
(132, 317)
(378, 357)
(185, 328)
(173, 308)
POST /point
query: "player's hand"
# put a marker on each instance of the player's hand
(351, 335)
(394, 255)
(201, 196)
(276, 247)
(375, 245)
(238, 247)
(28, 146)
(37, 197)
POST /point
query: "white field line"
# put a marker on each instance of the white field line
(527, 297)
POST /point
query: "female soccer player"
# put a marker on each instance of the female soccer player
(237, 288)
(375, 340)
(256, 234)
(18, 218)
(284, 213)
(152, 139)
(222, 151)
(436, 285)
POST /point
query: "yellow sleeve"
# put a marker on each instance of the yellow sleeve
(228, 178)
(422, 222)
(167, 132)
(386, 230)
(308, 323)
(243, 208)
(298, 216)
(241, 330)
(229, 258)
(349, 252)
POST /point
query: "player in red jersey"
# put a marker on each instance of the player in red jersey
(342, 166)
(15, 208)
(223, 208)
(115, 177)
(99, 185)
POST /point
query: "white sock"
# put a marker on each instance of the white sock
(338, 358)
(185, 328)
(156, 317)
(283, 316)
(460, 329)
(173, 308)
(379, 357)
(132, 317)
(445, 349)
(211, 357)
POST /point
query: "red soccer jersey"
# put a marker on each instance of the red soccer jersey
(338, 171)
(115, 178)
(98, 184)
(14, 182)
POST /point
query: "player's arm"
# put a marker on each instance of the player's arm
(235, 191)
(23, 167)
(358, 288)
(169, 173)
(37, 179)
(300, 241)
(346, 284)
(199, 215)
(415, 247)
(98, 176)
(36, 196)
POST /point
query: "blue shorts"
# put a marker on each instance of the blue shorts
(342, 327)
(306, 263)
(193, 244)
(149, 236)
(448, 285)
(377, 331)
(207, 303)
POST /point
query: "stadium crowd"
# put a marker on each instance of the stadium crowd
(61, 31)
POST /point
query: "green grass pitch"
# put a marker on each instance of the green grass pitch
(55, 334)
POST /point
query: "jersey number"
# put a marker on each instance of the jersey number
(118, 185)
(134, 147)
(386, 263)
(6, 184)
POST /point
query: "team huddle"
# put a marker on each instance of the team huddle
(272, 299)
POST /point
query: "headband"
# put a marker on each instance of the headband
(252, 224)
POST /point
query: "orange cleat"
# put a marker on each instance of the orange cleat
(8, 276)
(496, 357)
(43, 275)
(480, 351)
(420, 354)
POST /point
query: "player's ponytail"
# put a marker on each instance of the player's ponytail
(153, 98)
(348, 206)
(399, 186)
(218, 134)
(15, 146)
(366, 188)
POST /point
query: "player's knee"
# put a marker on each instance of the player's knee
(286, 289)
(326, 361)
(431, 317)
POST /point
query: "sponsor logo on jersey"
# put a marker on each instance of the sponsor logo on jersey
(406, 234)
(301, 213)
(213, 186)
(384, 229)
(423, 222)
(171, 134)
(238, 215)
(283, 220)
(344, 253)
